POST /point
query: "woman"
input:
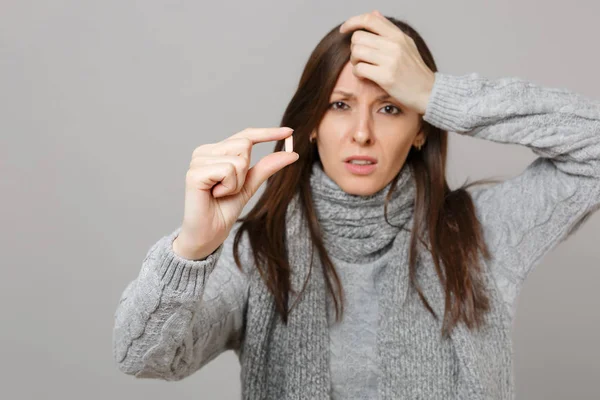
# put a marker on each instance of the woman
(411, 291)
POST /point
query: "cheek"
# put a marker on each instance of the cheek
(330, 134)
(328, 140)
(334, 124)
(395, 146)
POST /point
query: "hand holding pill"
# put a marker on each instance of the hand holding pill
(220, 182)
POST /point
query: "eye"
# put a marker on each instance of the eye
(392, 106)
(335, 106)
(335, 103)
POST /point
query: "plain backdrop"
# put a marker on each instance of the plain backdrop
(103, 102)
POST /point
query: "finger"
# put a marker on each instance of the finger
(209, 178)
(239, 162)
(259, 135)
(367, 54)
(385, 20)
(370, 22)
(367, 71)
(198, 161)
(370, 40)
(266, 167)
(399, 32)
(230, 146)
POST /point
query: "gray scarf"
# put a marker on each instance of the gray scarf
(292, 362)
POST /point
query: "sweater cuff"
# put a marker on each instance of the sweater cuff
(181, 274)
(447, 107)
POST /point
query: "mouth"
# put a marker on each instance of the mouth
(360, 167)
(361, 160)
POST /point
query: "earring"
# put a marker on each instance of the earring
(421, 142)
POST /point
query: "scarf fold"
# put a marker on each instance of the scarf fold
(354, 227)
(292, 362)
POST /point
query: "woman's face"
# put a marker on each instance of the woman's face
(360, 122)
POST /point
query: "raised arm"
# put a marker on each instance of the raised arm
(527, 216)
(179, 314)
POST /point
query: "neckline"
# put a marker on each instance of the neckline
(354, 227)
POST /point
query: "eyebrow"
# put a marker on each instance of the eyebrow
(349, 95)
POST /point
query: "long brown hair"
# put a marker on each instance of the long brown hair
(452, 225)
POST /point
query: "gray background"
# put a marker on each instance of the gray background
(102, 104)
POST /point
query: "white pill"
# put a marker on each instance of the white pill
(289, 144)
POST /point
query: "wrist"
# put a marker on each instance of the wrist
(190, 252)
(426, 94)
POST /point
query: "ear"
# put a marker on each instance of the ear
(419, 138)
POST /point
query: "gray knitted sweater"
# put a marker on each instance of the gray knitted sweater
(523, 219)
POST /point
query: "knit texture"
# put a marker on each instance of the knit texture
(297, 356)
(360, 257)
(179, 314)
(353, 359)
(360, 241)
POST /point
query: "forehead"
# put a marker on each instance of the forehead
(349, 82)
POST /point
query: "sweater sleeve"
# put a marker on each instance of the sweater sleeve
(179, 314)
(526, 216)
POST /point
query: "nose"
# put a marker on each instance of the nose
(363, 133)
(362, 138)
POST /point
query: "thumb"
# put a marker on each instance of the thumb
(266, 167)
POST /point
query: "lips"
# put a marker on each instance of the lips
(361, 157)
(360, 169)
